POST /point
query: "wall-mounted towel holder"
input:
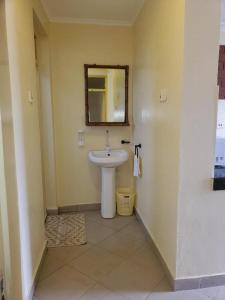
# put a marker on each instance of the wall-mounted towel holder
(125, 142)
(137, 147)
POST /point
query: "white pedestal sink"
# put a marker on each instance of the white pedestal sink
(108, 161)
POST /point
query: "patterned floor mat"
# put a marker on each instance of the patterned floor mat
(65, 230)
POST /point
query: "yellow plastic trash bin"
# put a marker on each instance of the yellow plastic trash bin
(125, 198)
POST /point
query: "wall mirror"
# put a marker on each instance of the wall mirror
(106, 95)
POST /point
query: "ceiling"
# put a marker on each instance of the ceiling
(114, 12)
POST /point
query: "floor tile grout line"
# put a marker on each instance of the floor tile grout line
(71, 267)
(123, 261)
(118, 254)
(94, 281)
(97, 244)
(84, 274)
(97, 280)
(106, 237)
(108, 273)
(164, 276)
(110, 289)
(138, 250)
(64, 263)
(80, 254)
(89, 289)
(116, 267)
(126, 260)
(40, 281)
(114, 234)
(113, 228)
(93, 244)
(127, 225)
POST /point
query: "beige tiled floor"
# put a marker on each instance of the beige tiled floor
(116, 264)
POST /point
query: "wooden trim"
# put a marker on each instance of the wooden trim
(79, 208)
(93, 66)
(221, 72)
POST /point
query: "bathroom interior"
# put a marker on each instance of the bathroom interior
(101, 122)
(82, 124)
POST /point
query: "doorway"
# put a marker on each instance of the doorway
(44, 98)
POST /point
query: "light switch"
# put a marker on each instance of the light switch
(163, 95)
(30, 97)
(81, 138)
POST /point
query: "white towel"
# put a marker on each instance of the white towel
(137, 171)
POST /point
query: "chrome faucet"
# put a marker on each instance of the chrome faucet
(107, 143)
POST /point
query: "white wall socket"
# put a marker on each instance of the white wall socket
(163, 96)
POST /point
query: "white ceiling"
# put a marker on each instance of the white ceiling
(115, 12)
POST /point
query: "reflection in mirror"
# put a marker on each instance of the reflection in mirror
(106, 95)
(219, 172)
(219, 169)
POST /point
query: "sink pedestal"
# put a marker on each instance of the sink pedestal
(108, 161)
(108, 200)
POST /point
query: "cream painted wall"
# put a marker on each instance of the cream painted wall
(8, 188)
(41, 14)
(3, 60)
(158, 62)
(78, 181)
(1, 250)
(222, 38)
(45, 113)
(10, 270)
(201, 238)
(187, 233)
(23, 171)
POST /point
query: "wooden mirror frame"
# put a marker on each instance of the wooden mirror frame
(94, 66)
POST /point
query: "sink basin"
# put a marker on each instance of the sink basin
(108, 159)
